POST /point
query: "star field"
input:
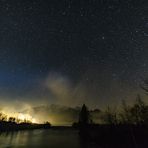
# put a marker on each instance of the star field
(99, 47)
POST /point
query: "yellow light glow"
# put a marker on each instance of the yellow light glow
(21, 117)
(26, 117)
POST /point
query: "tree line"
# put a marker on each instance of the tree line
(136, 114)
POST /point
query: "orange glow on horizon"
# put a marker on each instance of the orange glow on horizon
(20, 117)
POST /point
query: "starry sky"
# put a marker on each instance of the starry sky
(71, 52)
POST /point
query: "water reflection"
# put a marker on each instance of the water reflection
(41, 139)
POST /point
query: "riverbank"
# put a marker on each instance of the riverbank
(13, 126)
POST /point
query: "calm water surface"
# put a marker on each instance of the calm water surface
(41, 139)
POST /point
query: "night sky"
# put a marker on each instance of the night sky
(71, 52)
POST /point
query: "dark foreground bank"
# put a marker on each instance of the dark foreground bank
(112, 136)
(13, 126)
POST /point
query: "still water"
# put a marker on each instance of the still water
(51, 138)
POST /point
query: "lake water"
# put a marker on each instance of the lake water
(51, 138)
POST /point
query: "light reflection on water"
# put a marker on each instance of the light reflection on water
(40, 139)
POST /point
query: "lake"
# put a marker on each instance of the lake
(51, 138)
(54, 138)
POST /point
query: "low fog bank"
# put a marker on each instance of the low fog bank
(59, 115)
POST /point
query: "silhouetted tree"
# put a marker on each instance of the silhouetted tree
(4, 117)
(11, 119)
(1, 116)
(136, 114)
(84, 117)
(110, 116)
(125, 114)
(139, 112)
(18, 120)
(47, 124)
(144, 86)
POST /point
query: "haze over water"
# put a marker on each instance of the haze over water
(41, 139)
